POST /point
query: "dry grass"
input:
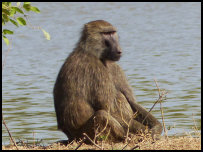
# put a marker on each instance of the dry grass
(143, 143)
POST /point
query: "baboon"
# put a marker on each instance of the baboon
(91, 92)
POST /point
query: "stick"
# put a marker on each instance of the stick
(92, 141)
(33, 138)
(11, 138)
(162, 116)
(107, 121)
(160, 97)
(135, 147)
(151, 109)
(4, 62)
(80, 143)
(126, 145)
(125, 123)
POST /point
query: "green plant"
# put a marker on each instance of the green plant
(16, 15)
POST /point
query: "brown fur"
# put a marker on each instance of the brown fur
(91, 88)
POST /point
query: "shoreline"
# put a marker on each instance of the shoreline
(170, 143)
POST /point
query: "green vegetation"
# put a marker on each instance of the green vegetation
(16, 15)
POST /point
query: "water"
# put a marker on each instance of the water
(159, 40)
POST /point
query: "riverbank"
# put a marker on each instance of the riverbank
(170, 143)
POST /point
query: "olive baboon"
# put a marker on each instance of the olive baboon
(92, 90)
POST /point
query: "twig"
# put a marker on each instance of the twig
(111, 145)
(80, 143)
(137, 146)
(126, 145)
(125, 123)
(151, 110)
(11, 138)
(102, 144)
(4, 62)
(162, 116)
(107, 121)
(108, 134)
(157, 86)
(92, 141)
(20, 142)
(196, 129)
(194, 121)
(160, 97)
(70, 143)
(33, 139)
(30, 25)
(98, 134)
(134, 115)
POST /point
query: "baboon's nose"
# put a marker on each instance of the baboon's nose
(119, 51)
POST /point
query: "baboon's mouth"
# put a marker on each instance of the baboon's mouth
(116, 57)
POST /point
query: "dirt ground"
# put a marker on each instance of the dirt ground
(170, 143)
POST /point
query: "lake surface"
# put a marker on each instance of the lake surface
(159, 40)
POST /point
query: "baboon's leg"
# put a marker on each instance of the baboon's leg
(103, 119)
(136, 127)
(147, 119)
(142, 115)
(100, 120)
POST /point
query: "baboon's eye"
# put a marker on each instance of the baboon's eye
(107, 43)
(108, 33)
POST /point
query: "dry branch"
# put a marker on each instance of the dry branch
(11, 138)
(80, 144)
(92, 141)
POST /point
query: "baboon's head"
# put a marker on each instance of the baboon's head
(100, 38)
